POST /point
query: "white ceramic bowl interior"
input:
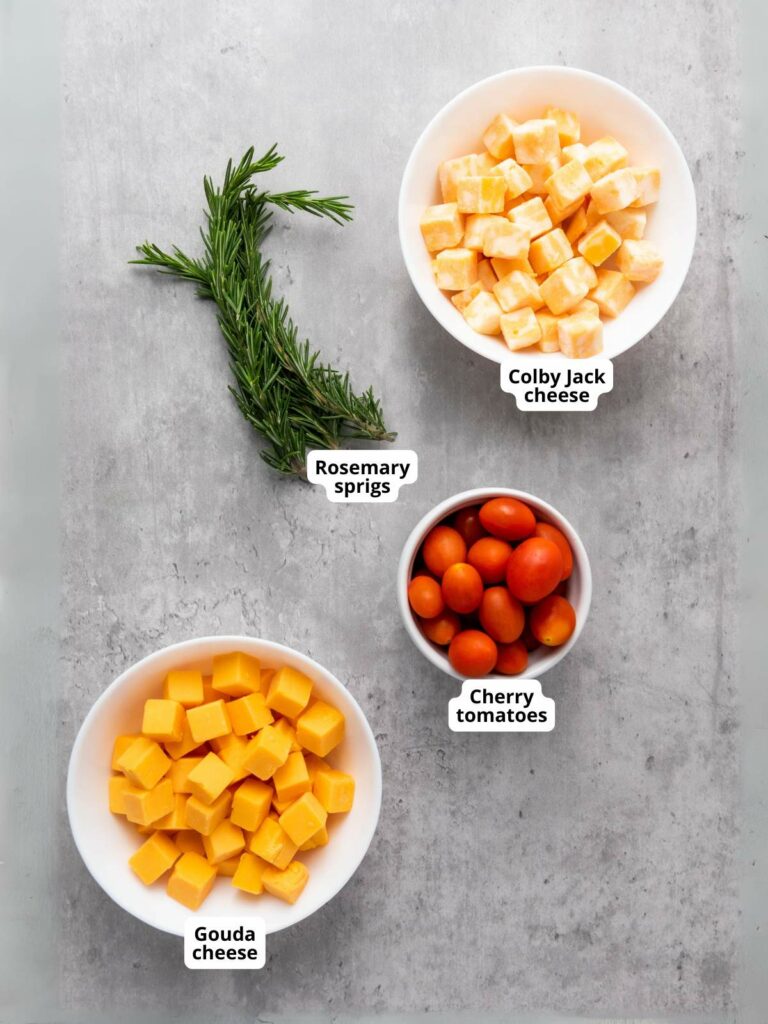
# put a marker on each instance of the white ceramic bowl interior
(106, 841)
(579, 591)
(604, 108)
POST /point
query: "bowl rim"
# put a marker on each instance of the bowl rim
(453, 504)
(186, 646)
(478, 343)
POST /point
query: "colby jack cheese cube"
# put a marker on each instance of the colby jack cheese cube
(639, 261)
(615, 191)
(580, 335)
(516, 178)
(516, 290)
(566, 286)
(648, 185)
(456, 269)
(481, 194)
(442, 227)
(612, 292)
(569, 184)
(605, 155)
(536, 141)
(629, 223)
(568, 126)
(531, 217)
(497, 137)
(505, 240)
(550, 251)
(482, 314)
(475, 228)
(599, 243)
(460, 300)
(520, 328)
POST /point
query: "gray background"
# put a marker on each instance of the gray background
(593, 870)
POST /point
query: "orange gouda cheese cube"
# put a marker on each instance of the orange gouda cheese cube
(233, 750)
(568, 126)
(581, 335)
(224, 842)
(604, 156)
(536, 141)
(282, 725)
(267, 751)
(236, 674)
(250, 804)
(120, 746)
(209, 721)
(599, 243)
(520, 328)
(180, 771)
(612, 292)
(176, 819)
(272, 843)
(497, 137)
(163, 720)
(549, 340)
(531, 217)
(614, 191)
(486, 275)
(191, 880)
(629, 223)
(648, 185)
(481, 194)
(280, 805)
(189, 841)
(639, 261)
(204, 818)
(287, 885)
(516, 179)
(185, 686)
(320, 728)
(248, 874)
(292, 779)
(249, 714)
(289, 692)
(208, 779)
(335, 790)
(186, 744)
(569, 184)
(154, 857)
(314, 764)
(550, 251)
(460, 300)
(516, 290)
(482, 314)
(143, 763)
(442, 227)
(320, 838)
(227, 868)
(505, 240)
(452, 170)
(117, 787)
(145, 806)
(477, 224)
(456, 269)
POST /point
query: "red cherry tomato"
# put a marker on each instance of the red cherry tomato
(527, 638)
(534, 569)
(462, 588)
(552, 533)
(443, 547)
(467, 523)
(507, 518)
(472, 653)
(442, 629)
(425, 596)
(489, 555)
(553, 621)
(501, 615)
(513, 658)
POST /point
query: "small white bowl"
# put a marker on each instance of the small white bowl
(106, 841)
(579, 583)
(604, 108)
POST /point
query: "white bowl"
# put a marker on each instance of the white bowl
(106, 841)
(604, 108)
(579, 583)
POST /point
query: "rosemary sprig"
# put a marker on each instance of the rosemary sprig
(295, 401)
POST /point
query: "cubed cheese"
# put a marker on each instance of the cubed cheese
(250, 804)
(540, 175)
(303, 818)
(605, 155)
(143, 763)
(520, 328)
(536, 141)
(286, 885)
(517, 290)
(204, 818)
(548, 342)
(176, 818)
(163, 720)
(289, 692)
(629, 223)
(291, 780)
(209, 721)
(335, 790)
(569, 184)
(568, 126)
(503, 267)
(599, 243)
(648, 185)
(565, 287)
(475, 228)
(497, 137)
(145, 806)
(516, 178)
(580, 335)
(452, 170)
(186, 744)
(531, 217)
(558, 214)
(154, 857)
(577, 225)
(236, 674)
(208, 779)
(272, 843)
(249, 714)
(179, 773)
(442, 227)
(225, 841)
(578, 151)
(482, 314)
(185, 686)
(481, 194)
(456, 269)
(614, 191)
(267, 751)
(248, 874)
(550, 251)
(486, 275)
(639, 261)
(117, 786)
(505, 240)
(191, 880)
(320, 728)
(612, 292)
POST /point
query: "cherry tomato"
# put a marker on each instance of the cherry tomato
(553, 621)
(557, 537)
(425, 596)
(489, 555)
(462, 588)
(501, 615)
(472, 653)
(467, 522)
(507, 518)
(527, 638)
(513, 658)
(442, 629)
(534, 569)
(443, 546)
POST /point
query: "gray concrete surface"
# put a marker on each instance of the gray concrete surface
(587, 871)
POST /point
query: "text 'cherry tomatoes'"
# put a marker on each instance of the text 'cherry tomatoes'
(512, 659)
(501, 615)
(507, 518)
(442, 629)
(489, 555)
(534, 569)
(462, 588)
(442, 548)
(472, 654)
(557, 537)
(553, 621)
(425, 596)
